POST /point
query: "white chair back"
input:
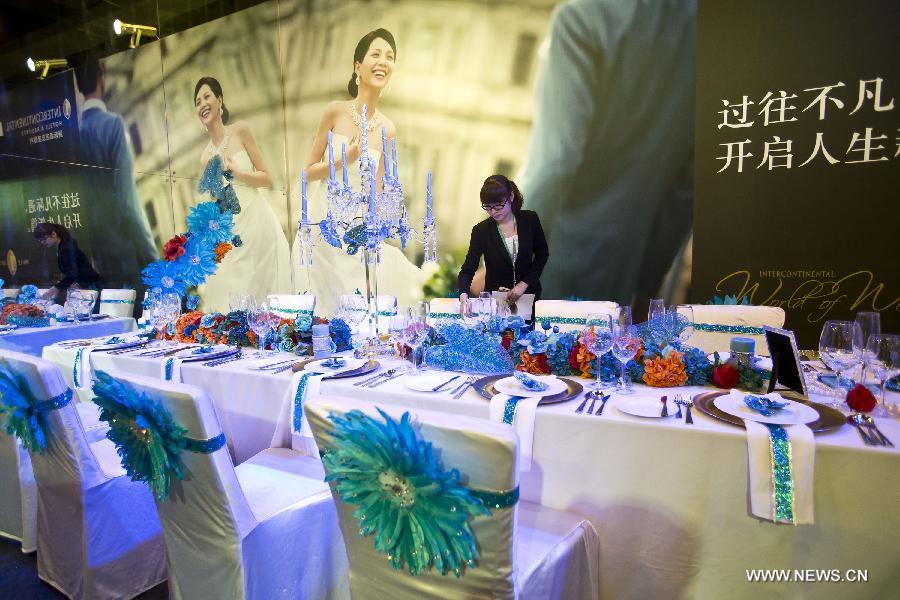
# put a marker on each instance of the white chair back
(442, 310)
(18, 502)
(715, 325)
(571, 315)
(289, 306)
(485, 453)
(11, 292)
(97, 531)
(117, 303)
(206, 514)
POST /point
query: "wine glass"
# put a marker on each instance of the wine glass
(680, 322)
(625, 316)
(870, 323)
(88, 301)
(836, 348)
(259, 321)
(625, 346)
(73, 303)
(164, 311)
(598, 339)
(883, 351)
(354, 308)
(397, 330)
(657, 309)
(416, 334)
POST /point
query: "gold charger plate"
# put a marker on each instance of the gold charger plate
(485, 387)
(829, 418)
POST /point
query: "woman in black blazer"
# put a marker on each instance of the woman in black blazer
(511, 240)
(74, 266)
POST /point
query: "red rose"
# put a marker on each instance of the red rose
(506, 339)
(573, 358)
(174, 247)
(725, 376)
(861, 399)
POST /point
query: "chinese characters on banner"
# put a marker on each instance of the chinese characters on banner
(62, 209)
(867, 145)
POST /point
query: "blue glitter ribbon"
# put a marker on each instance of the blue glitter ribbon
(298, 401)
(169, 363)
(204, 446)
(716, 328)
(509, 409)
(439, 315)
(563, 320)
(782, 483)
(54, 403)
(292, 311)
(78, 354)
(115, 301)
(497, 499)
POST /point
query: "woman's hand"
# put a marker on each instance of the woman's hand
(228, 165)
(514, 294)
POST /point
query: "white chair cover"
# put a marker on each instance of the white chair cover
(266, 529)
(715, 325)
(98, 532)
(526, 551)
(117, 303)
(571, 315)
(288, 306)
(442, 309)
(11, 292)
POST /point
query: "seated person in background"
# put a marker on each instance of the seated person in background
(76, 271)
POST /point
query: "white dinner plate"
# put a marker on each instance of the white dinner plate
(649, 408)
(426, 382)
(199, 353)
(795, 413)
(350, 364)
(512, 386)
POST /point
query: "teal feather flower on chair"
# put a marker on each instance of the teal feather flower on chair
(146, 436)
(25, 415)
(417, 512)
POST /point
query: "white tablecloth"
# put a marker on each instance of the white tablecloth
(669, 500)
(31, 340)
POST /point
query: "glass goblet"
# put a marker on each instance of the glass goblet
(836, 348)
(883, 351)
(625, 346)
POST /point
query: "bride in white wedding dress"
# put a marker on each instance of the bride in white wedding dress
(334, 272)
(261, 266)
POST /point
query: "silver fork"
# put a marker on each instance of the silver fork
(384, 380)
(459, 391)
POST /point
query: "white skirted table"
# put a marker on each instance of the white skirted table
(669, 500)
(31, 340)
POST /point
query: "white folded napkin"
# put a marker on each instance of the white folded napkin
(82, 370)
(521, 412)
(797, 500)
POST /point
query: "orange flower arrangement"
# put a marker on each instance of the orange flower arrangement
(221, 249)
(536, 364)
(24, 310)
(185, 321)
(668, 371)
(581, 358)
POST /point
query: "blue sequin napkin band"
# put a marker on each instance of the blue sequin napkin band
(509, 409)
(298, 401)
(782, 483)
(716, 328)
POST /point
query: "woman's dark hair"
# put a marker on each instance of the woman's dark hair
(360, 53)
(43, 230)
(216, 89)
(496, 190)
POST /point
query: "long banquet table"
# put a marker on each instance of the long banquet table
(31, 340)
(669, 500)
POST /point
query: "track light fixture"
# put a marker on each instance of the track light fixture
(135, 30)
(43, 66)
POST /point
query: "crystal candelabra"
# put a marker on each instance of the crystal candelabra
(364, 219)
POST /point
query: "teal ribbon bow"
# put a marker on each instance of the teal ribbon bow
(26, 416)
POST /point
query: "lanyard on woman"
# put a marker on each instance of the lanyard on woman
(515, 250)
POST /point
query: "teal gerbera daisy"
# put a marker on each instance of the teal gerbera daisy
(206, 221)
(417, 512)
(198, 261)
(165, 275)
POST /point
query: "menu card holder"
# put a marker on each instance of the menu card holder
(785, 360)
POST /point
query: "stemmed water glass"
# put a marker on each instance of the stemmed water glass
(354, 308)
(259, 319)
(625, 346)
(870, 324)
(164, 310)
(883, 351)
(838, 348)
(397, 326)
(73, 303)
(657, 309)
(598, 339)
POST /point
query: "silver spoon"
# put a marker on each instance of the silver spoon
(873, 428)
(857, 421)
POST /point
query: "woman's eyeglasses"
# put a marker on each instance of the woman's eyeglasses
(494, 207)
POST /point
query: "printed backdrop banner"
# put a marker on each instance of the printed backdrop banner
(798, 159)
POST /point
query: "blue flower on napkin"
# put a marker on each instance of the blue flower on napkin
(114, 340)
(203, 350)
(334, 363)
(529, 382)
(764, 406)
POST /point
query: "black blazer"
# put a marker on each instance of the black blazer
(486, 241)
(75, 267)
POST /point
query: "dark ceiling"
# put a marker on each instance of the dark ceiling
(61, 28)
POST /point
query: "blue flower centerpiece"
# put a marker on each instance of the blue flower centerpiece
(417, 512)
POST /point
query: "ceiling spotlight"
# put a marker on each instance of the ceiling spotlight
(42, 67)
(135, 30)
